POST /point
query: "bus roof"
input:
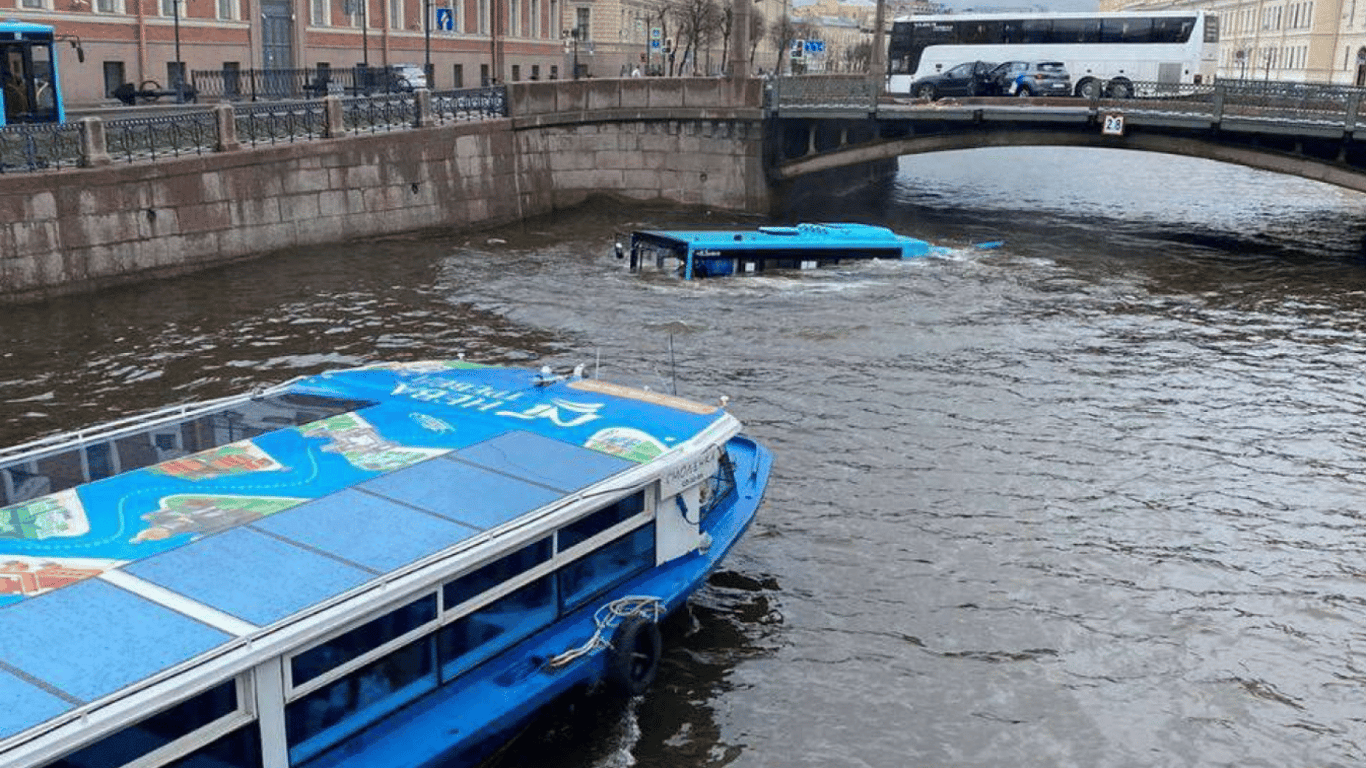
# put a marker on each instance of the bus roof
(11, 26)
(999, 16)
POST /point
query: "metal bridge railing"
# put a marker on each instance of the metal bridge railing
(40, 147)
(1287, 103)
(200, 130)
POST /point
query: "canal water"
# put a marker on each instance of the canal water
(1095, 497)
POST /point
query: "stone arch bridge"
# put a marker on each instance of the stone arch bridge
(1316, 132)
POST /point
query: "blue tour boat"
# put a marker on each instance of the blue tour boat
(393, 565)
(712, 253)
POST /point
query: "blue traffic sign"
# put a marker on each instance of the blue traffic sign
(815, 46)
(445, 19)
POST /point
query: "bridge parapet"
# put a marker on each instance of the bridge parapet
(588, 100)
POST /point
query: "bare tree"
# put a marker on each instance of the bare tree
(758, 27)
(781, 34)
(698, 22)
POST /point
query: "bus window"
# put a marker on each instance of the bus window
(1172, 30)
(15, 84)
(1036, 30)
(29, 83)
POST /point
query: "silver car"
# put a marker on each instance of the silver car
(1032, 78)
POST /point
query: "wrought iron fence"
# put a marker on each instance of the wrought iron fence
(273, 84)
(825, 91)
(282, 122)
(149, 138)
(25, 148)
(378, 113)
(470, 104)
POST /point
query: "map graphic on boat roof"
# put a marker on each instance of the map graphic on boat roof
(302, 494)
(519, 445)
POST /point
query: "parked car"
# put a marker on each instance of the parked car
(407, 77)
(1031, 78)
(967, 79)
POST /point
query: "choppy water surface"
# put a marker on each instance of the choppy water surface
(1094, 498)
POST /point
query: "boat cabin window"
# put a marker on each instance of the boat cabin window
(587, 527)
(603, 568)
(474, 638)
(355, 643)
(487, 577)
(719, 486)
(169, 725)
(337, 710)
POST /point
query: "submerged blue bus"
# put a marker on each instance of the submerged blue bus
(30, 88)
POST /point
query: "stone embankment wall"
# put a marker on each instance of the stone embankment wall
(695, 142)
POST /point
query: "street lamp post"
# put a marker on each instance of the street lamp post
(427, 31)
(179, 68)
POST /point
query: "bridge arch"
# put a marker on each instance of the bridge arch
(810, 145)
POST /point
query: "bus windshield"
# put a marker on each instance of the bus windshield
(29, 84)
(1099, 50)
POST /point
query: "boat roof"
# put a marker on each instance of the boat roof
(802, 236)
(120, 579)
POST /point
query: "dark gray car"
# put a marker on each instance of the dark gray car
(967, 79)
(1031, 78)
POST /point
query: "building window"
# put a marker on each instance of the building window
(396, 14)
(226, 9)
(581, 23)
(108, 6)
(318, 12)
(113, 77)
(458, 72)
(33, 4)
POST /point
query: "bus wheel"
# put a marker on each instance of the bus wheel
(1089, 88)
(1120, 89)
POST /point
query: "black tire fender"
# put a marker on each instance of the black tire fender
(633, 662)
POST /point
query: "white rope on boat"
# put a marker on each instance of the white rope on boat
(606, 618)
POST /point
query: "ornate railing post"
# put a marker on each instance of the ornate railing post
(336, 120)
(422, 98)
(227, 128)
(1217, 109)
(94, 148)
(1353, 106)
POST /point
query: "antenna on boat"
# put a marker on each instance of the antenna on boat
(673, 366)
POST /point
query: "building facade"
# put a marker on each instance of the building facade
(466, 43)
(1316, 41)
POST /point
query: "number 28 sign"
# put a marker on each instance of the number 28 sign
(1112, 125)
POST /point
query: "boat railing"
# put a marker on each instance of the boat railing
(128, 425)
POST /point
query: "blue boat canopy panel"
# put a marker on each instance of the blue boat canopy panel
(185, 532)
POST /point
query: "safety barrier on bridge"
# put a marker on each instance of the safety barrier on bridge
(194, 131)
(1288, 104)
